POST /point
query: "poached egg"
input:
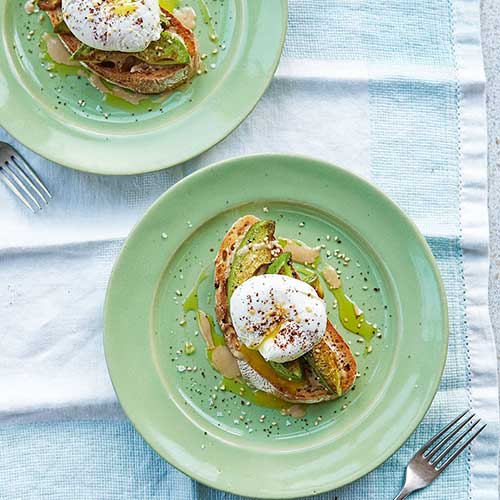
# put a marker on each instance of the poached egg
(121, 25)
(281, 317)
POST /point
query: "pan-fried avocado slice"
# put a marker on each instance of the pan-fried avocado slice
(321, 359)
(282, 265)
(292, 370)
(252, 254)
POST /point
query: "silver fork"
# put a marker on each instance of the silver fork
(21, 179)
(439, 452)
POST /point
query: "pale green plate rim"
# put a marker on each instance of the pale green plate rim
(120, 154)
(113, 308)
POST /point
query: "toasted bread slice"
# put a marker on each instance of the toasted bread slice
(129, 72)
(310, 391)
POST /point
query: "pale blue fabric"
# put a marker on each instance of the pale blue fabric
(414, 158)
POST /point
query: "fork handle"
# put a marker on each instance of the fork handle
(403, 493)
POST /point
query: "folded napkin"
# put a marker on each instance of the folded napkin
(390, 89)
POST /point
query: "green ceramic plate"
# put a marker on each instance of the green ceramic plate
(62, 117)
(213, 435)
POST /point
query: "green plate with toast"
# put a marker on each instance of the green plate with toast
(56, 112)
(226, 438)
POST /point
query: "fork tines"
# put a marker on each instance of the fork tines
(24, 182)
(450, 441)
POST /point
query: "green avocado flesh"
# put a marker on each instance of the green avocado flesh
(168, 50)
(292, 370)
(321, 359)
(248, 261)
(282, 265)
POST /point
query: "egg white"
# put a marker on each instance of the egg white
(280, 316)
(114, 25)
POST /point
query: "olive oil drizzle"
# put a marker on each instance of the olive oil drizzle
(208, 20)
(191, 302)
(236, 386)
(259, 398)
(355, 323)
(65, 70)
(350, 315)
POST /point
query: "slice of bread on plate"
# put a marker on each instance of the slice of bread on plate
(331, 354)
(125, 69)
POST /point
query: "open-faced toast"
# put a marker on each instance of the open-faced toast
(253, 368)
(128, 71)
